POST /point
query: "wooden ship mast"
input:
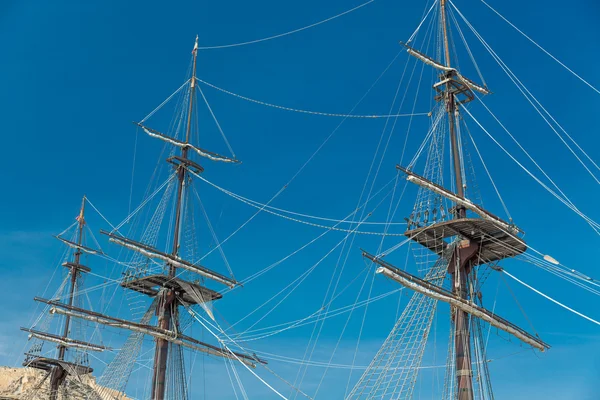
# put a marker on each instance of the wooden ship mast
(467, 238)
(58, 368)
(169, 290)
(462, 243)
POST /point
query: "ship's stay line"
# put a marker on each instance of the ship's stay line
(175, 189)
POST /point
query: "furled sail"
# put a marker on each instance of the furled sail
(466, 203)
(63, 341)
(438, 293)
(78, 246)
(201, 152)
(426, 59)
(151, 252)
(171, 336)
(437, 65)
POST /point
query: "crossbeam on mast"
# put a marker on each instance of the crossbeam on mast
(185, 145)
(452, 79)
(165, 334)
(466, 203)
(171, 259)
(81, 247)
(64, 341)
(428, 289)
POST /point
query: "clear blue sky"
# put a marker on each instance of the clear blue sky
(75, 74)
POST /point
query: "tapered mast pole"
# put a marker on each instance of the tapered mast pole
(58, 373)
(462, 336)
(167, 309)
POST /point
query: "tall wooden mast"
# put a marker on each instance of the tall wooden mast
(460, 276)
(73, 272)
(58, 374)
(59, 368)
(167, 288)
(462, 243)
(167, 308)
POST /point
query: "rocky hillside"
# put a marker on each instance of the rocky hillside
(29, 383)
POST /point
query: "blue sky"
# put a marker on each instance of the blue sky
(75, 74)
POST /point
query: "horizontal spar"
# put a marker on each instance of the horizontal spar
(151, 252)
(201, 152)
(438, 293)
(64, 341)
(183, 340)
(437, 65)
(468, 204)
(79, 246)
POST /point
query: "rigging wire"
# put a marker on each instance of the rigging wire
(550, 298)
(377, 170)
(541, 48)
(134, 212)
(462, 36)
(302, 111)
(198, 318)
(164, 102)
(410, 39)
(135, 146)
(216, 121)
(305, 274)
(519, 305)
(261, 333)
(295, 283)
(564, 200)
(224, 46)
(567, 275)
(213, 233)
(531, 99)
(487, 172)
(267, 209)
(299, 171)
(337, 221)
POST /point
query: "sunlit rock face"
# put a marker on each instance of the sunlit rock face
(33, 384)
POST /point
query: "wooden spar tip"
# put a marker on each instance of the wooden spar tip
(185, 145)
(74, 245)
(439, 293)
(368, 255)
(80, 218)
(178, 262)
(65, 341)
(459, 200)
(166, 334)
(375, 259)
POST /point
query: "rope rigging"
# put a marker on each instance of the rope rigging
(563, 199)
(550, 298)
(297, 110)
(393, 371)
(532, 100)
(270, 210)
(224, 46)
(541, 48)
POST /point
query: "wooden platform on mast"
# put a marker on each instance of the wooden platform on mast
(47, 364)
(151, 285)
(495, 242)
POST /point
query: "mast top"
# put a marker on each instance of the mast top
(195, 45)
(80, 217)
(445, 29)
